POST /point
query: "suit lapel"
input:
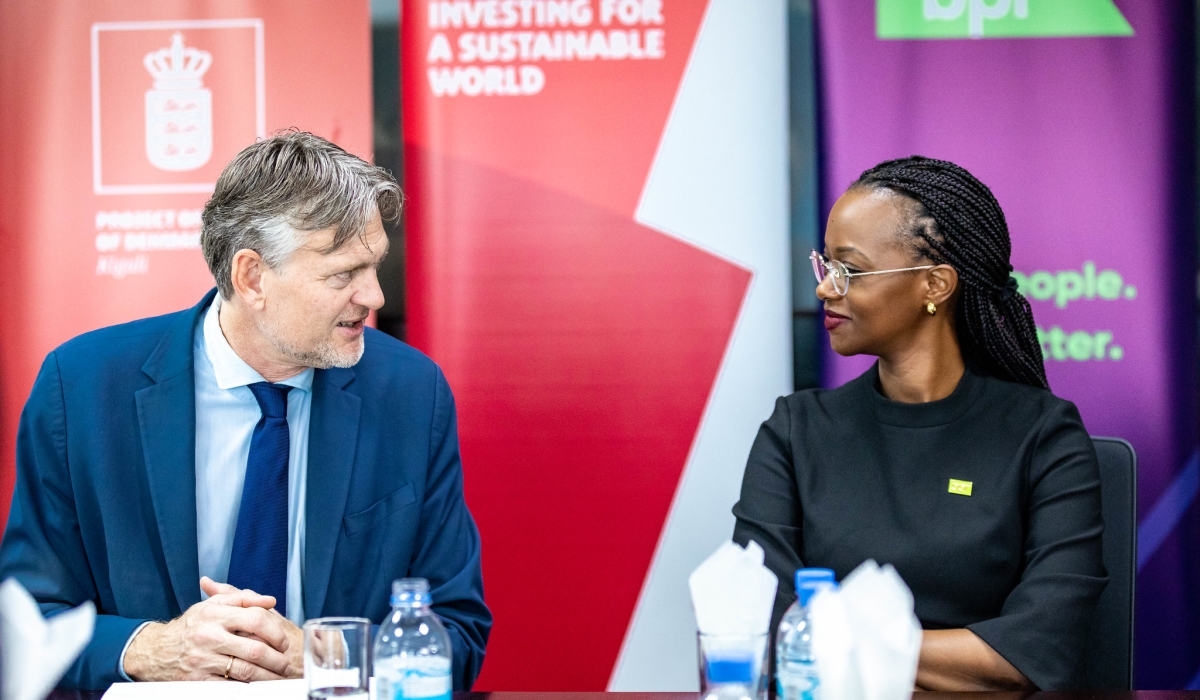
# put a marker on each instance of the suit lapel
(167, 420)
(332, 444)
(167, 416)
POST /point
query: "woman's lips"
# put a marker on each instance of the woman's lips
(833, 320)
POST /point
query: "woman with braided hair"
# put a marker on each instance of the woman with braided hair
(949, 459)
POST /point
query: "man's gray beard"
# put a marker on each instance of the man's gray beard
(323, 356)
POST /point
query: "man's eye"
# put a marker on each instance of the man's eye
(343, 276)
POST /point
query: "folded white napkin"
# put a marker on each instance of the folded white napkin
(732, 592)
(866, 638)
(35, 652)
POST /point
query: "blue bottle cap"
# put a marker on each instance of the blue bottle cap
(810, 581)
(730, 669)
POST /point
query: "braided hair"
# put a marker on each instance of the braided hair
(958, 222)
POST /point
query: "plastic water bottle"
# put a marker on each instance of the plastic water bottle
(412, 649)
(795, 665)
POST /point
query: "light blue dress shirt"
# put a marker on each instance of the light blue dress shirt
(226, 413)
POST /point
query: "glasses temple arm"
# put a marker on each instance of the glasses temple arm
(884, 272)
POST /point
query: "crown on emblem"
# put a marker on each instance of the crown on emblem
(176, 67)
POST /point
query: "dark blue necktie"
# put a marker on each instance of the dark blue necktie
(259, 557)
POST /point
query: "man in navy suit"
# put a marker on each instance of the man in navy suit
(214, 477)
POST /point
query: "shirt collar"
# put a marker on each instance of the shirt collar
(231, 370)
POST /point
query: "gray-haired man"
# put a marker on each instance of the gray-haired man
(212, 478)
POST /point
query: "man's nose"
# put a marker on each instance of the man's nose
(369, 293)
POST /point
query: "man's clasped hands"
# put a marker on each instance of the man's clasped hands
(236, 634)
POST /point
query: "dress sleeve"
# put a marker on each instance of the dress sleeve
(768, 510)
(1042, 627)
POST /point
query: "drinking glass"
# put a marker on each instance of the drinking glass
(336, 660)
(733, 666)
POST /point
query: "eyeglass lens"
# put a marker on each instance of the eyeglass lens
(834, 269)
(818, 266)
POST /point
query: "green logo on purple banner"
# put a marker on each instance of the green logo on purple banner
(960, 19)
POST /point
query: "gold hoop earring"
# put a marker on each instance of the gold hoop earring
(931, 308)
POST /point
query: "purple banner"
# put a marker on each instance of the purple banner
(1083, 135)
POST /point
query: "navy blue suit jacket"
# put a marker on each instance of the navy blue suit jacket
(105, 501)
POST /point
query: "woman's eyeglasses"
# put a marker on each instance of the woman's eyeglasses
(840, 277)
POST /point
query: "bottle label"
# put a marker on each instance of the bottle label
(797, 686)
(413, 686)
(429, 687)
(810, 693)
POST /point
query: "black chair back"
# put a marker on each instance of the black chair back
(1109, 660)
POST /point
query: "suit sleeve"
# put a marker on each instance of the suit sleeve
(768, 510)
(448, 549)
(1042, 627)
(42, 547)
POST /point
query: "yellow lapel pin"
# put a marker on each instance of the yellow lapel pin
(961, 488)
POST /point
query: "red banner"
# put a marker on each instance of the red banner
(597, 258)
(118, 116)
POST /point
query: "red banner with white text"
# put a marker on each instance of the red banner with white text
(597, 257)
(118, 116)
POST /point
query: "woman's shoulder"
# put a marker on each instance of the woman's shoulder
(847, 398)
(1015, 391)
(1034, 404)
(1019, 404)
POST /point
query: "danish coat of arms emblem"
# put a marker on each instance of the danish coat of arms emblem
(179, 133)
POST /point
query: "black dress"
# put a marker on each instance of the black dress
(839, 476)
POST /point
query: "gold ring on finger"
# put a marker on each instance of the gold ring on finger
(228, 666)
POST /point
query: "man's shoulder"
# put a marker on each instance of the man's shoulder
(130, 342)
(390, 350)
(387, 355)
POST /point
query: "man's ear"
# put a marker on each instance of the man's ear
(248, 269)
(943, 281)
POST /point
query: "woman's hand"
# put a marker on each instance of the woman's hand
(959, 660)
